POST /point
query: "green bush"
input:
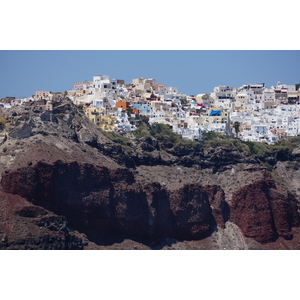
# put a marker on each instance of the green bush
(188, 143)
(119, 139)
(289, 143)
(142, 131)
(216, 139)
(211, 135)
(144, 128)
(259, 149)
(262, 150)
(164, 134)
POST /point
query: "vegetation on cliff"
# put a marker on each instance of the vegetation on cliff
(215, 139)
(263, 150)
(267, 155)
(163, 133)
(166, 138)
(118, 138)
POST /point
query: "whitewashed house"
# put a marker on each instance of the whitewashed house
(102, 86)
(293, 128)
(269, 95)
(158, 116)
(216, 127)
(98, 103)
(6, 105)
(223, 92)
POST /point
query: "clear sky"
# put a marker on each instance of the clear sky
(193, 71)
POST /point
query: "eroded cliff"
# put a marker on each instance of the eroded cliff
(66, 186)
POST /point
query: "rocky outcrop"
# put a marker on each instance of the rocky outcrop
(27, 226)
(96, 198)
(54, 241)
(263, 212)
(198, 210)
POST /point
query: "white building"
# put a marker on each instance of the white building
(225, 104)
(269, 95)
(6, 105)
(101, 87)
(216, 127)
(223, 92)
(257, 88)
(82, 85)
(123, 124)
(293, 128)
(104, 86)
(97, 103)
(287, 87)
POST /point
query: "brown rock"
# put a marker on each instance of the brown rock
(263, 212)
(109, 201)
(192, 212)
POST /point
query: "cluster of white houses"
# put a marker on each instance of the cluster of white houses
(265, 114)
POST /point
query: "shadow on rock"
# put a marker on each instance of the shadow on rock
(105, 239)
(163, 242)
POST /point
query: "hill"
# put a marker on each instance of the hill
(66, 185)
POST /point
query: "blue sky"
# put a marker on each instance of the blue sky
(192, 71)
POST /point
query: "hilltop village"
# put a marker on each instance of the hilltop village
(252, 112)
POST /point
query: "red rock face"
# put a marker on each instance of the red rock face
(101, 200)
(96, 198)
(284, 208)
(196, 210)
(263, 212)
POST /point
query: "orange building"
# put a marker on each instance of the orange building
(122, 104)
(135, 111)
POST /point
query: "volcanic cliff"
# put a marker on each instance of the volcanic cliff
(65, 185)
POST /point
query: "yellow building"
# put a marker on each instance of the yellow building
(101, 119)
(241, 101)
